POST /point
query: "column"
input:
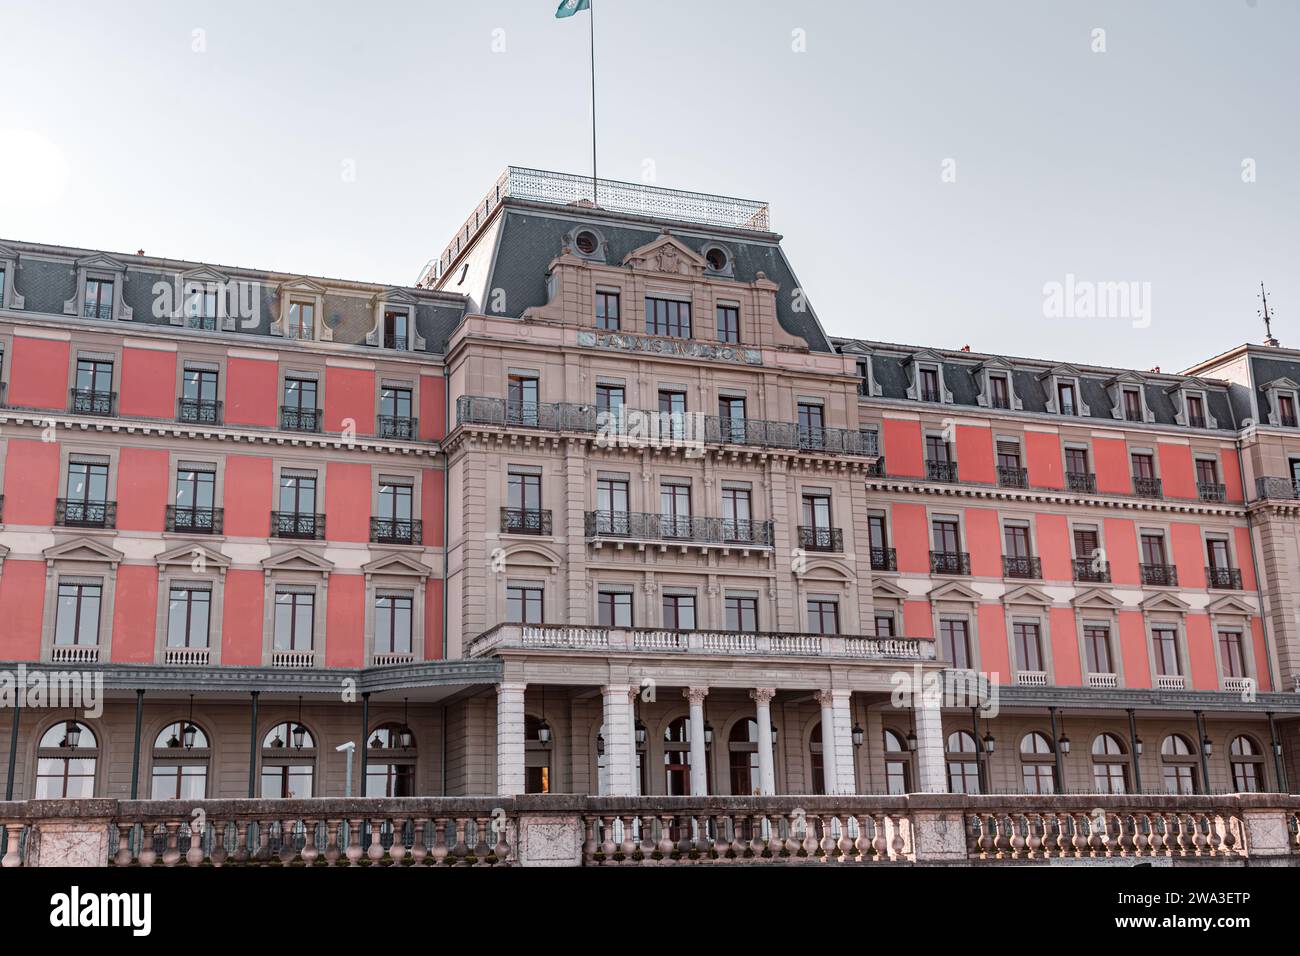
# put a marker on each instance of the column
(930, 772)
(699, 756)
(510, 738)
(762, 697)
(844, 750)
(620, 757)
(830, 776)
(632, 693)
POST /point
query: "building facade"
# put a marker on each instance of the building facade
(597, 507)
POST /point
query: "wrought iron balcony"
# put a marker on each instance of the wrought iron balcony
(1082, 482)
(1211, 491)
(295, 419)
(949, 562)
(80, 513)
(1091, 571)
(1010, 477)
(295, 524)
(396, 530)
(1147, 487)
(884, 559)
(941, 470)
(638, 526)
(1289, 420)
(1267, 487)
(204, 323)
(398, 426)
(392, 341)
(1021, 566)
(877, 468)
(200, 411)
(92, 311)
(194, 520)
(1160, 575)
(89, 401)
(931, 395)
(758, 433)
(1196, 421)
(525, 521)
(1224, 579)
(821, 539)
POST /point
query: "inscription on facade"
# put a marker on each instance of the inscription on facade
(625, 342)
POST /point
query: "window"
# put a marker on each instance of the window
(390, 767)
(302, 320)
(742, 757)
(188, 613)
(1286, 410)
(393, 623)
(947, 535)
(295, 619)
(1096, 649)
(742, 613)
(1216, 550)
(524, 604)
(1109, 765)
(737, 516)
(607, 311)
(614, 608)
(930, 385)
(1009, 455)
(885, 624)
(1143, 465)
(1195, 411)
(178, 772)
(1207, 472)
(397, 329)
(199, 396)
(586, 242)
(1153, 549)
(823, 616)
(936, 448)
(76, 620)
(716, 258)
(65, 762)
(1029, 648)
(1037, 764)
(1016, 538)
(898, 764)
(1247, 762)
(523, 501)
(1066, 402)
(297, 515)
(728, 323)
(963, 763)
(1087, 543)
(612, 506)
(812, 425)
(1178, 765)
(672, 413)
(999, 392)
(1132, 405)
(677, 758)
(288, 762)
(521, 400)
(300, 408)
(395, 419)
(99, 299)
(1076, 461)
(1232, 657)
(954, 642)
(675, 509)
(1164, 644)
(395, 502)
(679, 612)
(86, 504)
(668, 317)
(609, 399)
(195, 499)
(93, 387)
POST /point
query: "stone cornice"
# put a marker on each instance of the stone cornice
(1146, 699)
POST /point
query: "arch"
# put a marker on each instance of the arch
(961, 753)
(184, 734)
(1178, 770)
(391, 752)
(1035, 744)
(286, 733)
(529, 554)
(67, 761)
(1110, 764)
(1037, 763)
(1246, 761)
(180, 761)
(288, 761)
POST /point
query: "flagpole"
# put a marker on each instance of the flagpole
(591, 13)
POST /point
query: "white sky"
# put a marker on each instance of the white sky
(1117, 166)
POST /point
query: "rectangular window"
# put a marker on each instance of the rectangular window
(737, 516)
(885, 625)
(1008, 454)
(99, 299)
(295, 620)
(1076, 461)
(300, 394)
(397, 329)
(947, 535)
(1217, 551)
(524, 604)
(1086, 543)
(1195, 411)
(1231, 656)
(523, 491)
(1132, 405)
(395, 402)
(522, 400)
(679, 611)
(823, 616)
(1029, 650)
(188, 613)
(393, 623)
(609, 399)
(878, 532)
(302, 320)
(999, 393)
(1016, 537)
(936, 448)
(742, 613)
(77, 618)
(607, 312)
(1096, 648)
(199, 395)
(297, 494)
(87, 486)
(728, 323)
(1165, 645)
(395, 501)
(1207, 472)
(1153, 549)
(1065, 399)
(614, 608)
(817, 511)
(668, 317)
(930, 385)
(1286, 410)
(954, 643)
(612, 496)
(1144, 465)
(94, 375)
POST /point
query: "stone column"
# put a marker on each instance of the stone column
(699, 755)
(929, 746)
(845, 777)
(632, 693)
(826, 699)
(762, 697)
(620, 758)
(510, 738)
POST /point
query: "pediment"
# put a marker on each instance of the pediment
(1065, 371)
(1126, 378)
(857, 348)
(99, 260)
(302, 286)
(83, 549)
(827, 570)
(1026, 594)
(667, 255)
(297, 559)
(1283, 383)
(536, 555)
(395, 296)
(887, 589)
(925, 355)
(1190, 382)
(954, 591)
(189, 553)
(7, 252)
(204, 274)
(1230, 604)
(397, 564)
(996, 362)
(1165, 602)
(1096, 597)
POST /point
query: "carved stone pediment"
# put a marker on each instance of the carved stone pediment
(667, 255)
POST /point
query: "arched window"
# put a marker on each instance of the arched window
(742, 752)
(677, 758)
(898, 764)
(963, 763)
(1178, 764)
(1037, 763)
(180, 762)
(537, 755)
(390, 761)
(1109, 765)
(289, 762)
(65, 762)
(1247, 761)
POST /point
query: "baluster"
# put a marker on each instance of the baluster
(375, 852)
(1033, 826)
(1127, 833)
(810, 841)
(354, 851)
(439, 852)
(310, 852)
(607, 845)
(481, 846)
(332, 851)
(1017, 822)
(263, 854)
(722, 837)
(1212, 837)
(397, 850)
(902, 844)
(1064, 843)
(241, 841)
(1229, 834)
(287, 850)
(1182, 840)
(501, 850)
(148, 854)
(980, 835)
(123, 857)
(459, 851)
(1079, 827)
(665, 847)
(847, 842)
(827, 843)
(194, 855)
(172, 852)
(1001, 843)
(1199, 825)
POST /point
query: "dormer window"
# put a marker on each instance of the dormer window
(397, 329)
(927, 381)
(1132, 405)
(1286, 410)
(1191, 404)
(99, 298)
(930, 385)
(1195, 411)
(1066, 398)
(302, 320)
(1283, 397)
(586, 242)
(9, 297)
(202, 308)
(999, 392)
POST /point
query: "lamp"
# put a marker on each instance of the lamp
(912, 742)
(859, 735)
(773, 735)
(299, 731)
(640, 732)
(190, 732)
(405, 739)
(543, 728)
(708, 734)
(73, 735)
(1063, 743)
(1208, 746)
(1137, 746)
(989, 742)
(600, 744)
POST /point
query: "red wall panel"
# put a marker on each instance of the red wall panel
(1065, 647)
(911, 538)
(916, 619)
(1133, 649)
(1120, 544)
(1241, 542)
(1189, 554)
(148, 384)
(1054, 547)
(984, 542)
(31, 482)
(248, 496)
(252, 392)
(241, 619)
(22, 603)
(135, 610)
(1177, 477)
(1230, 472)
(1200, 650)
(38, 374)
(345, 632)
(995, 656)
(433, 598)
(974, 454)
(433, 407)
(141, 489)
(1263, 675)
(347, 502)
(432, 503)
(1043, 459)
(1114, 473)
(350, 394)
(904, 450)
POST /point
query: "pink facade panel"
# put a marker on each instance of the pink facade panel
(1188, 554)
(142, 483)
(31, 482)
(1200, 653)
(1177, 477)
(1244, 558)
(1110, 459)
(350, 400)
(1133, 649)
(248, 496)
(433, 624)
(917, 621)
(911, 538)
(241, 625)
(347, 502)
(433, 407)
(148, 386)
(995, 655)
(1043, 459)
(1054, 547)
(22, 605)
(1263, 675)
(974, 454)
(433, 483)
(252, 392)
(38, 374)
(904, 450)
(345, 631)
(1120, 545)
(1065, 647)
(984, 542)
(135, 609)
(1231, 473)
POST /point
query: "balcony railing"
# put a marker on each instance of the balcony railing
(1211, 491)
(194, 520)
(91, 310)
(397, 426)
(1091, 571)
(931, 395)
(396, 530)
(1273, 487)
(941, 470)
(1239, 685)
(636, 526)
(1289, 420)
(1160, 575)
(1031, 678)
(295, 660)
(1147, 487)
(1082, 482)
(76, 513)
(394, 341)
(1103, 681)
(187, 656)
(74, 653)
(1224, 579)
(1021, 566)
(1196, 421)
(884, 559)
(949, 562)
(1170, 682)
(295, 419)
(89, 401)
(199, 411)
(525, 521)
(821, 539)
(1009, 477)
(294, 524)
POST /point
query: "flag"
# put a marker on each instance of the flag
(568, 8)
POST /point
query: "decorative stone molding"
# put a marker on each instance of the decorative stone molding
(305, 291)
(9, 297)
(1179, 392)
(1118, 385)
(863, 356)
(394, 300)
(1276, 389)
(1059, 375)
(99, 266)
(927, 358)
(667, 255)
(695, 695)
(988, 368)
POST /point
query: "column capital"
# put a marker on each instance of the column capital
(825, 698)
(695, 695)
(762, 695)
